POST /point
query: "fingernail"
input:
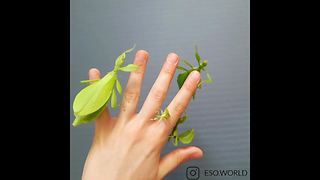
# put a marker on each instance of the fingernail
(173, 58)
(142, 54)
(198, 153)
(94, 73)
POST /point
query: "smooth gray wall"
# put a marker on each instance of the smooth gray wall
(102, 29)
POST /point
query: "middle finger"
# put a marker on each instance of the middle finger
(160, 88)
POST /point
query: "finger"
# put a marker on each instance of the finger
(159, 89)
(105, 116)
(180, 102)
(132, 92)
(175, 158)
(94, 73)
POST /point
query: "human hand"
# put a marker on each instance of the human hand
(129, 146)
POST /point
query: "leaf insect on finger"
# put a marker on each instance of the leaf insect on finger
(201, 67)
(162, 115)
(91, 100)
(188, 136)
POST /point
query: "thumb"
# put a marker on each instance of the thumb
(175, 158)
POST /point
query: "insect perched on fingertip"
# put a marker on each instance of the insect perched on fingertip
(92, 100)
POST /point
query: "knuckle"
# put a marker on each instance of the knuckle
(130, 96)
(135, 131)
(179, 107)
(132, 133)
(163, 128)
(168, 125)
(189, 86)
(155, 131)
(157, 94)
(167, 69)
(139, 72)
(160, 130)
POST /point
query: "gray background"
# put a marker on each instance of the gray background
(101, 30)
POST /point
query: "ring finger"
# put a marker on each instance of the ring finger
(159, 90)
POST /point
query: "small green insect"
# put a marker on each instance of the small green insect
(201, 65)
(188, 136)
(185, 137)
(162, 115)
(91, 101)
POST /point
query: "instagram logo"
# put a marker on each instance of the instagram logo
(193, 173)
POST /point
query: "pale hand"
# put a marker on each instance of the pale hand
(128, 146)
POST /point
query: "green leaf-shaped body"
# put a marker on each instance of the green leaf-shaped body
(94, 96)
(90, 102)
(182, 77)
(85, 119)
(187, 136)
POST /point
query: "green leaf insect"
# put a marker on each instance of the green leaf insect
(162, 115)
(185, 137)
(201, 67)
(85, 119)
(174, 134)
(90, 102)
(188, 136)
